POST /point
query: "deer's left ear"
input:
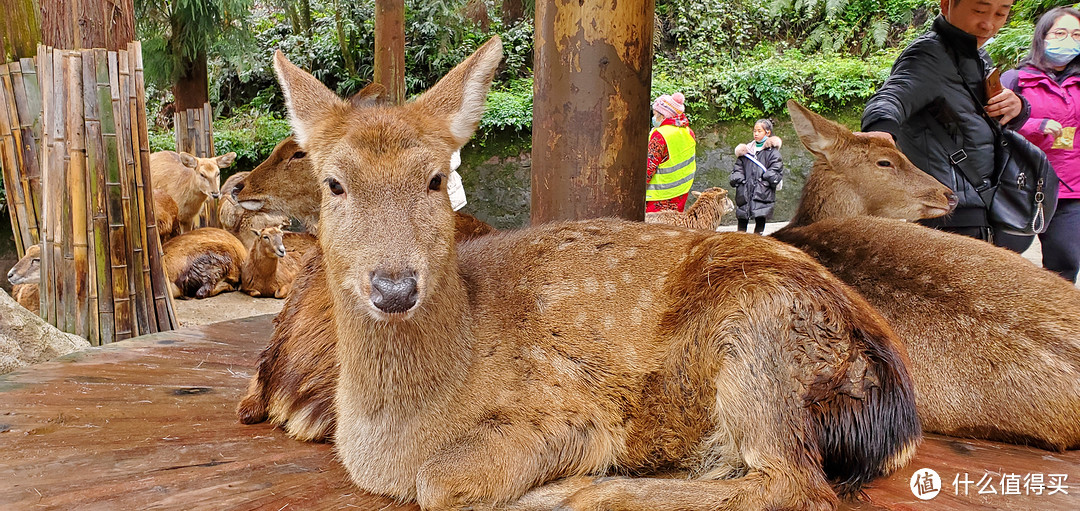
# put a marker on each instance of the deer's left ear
(307, 99)
(817, 133)
(459, 97)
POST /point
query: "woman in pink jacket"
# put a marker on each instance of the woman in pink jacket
(1049, 78)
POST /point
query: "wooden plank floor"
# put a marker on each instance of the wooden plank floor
(149, 424)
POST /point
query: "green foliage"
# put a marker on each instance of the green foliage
(509, 107)
(251, 137)
(1011, 44)
(858, 27)
(175, 32)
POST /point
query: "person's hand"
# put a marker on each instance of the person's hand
(1053, 128)
(884, 135)
(1005, 106)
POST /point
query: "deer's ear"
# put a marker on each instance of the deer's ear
(225, 160)
(188, 160)
(817, 133)
(306, 98)
(459, 96)
(373, 94)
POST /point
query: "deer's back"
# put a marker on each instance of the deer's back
(966, 311)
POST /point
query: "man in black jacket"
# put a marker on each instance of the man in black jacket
(935, 107)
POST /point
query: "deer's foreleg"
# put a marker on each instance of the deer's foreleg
(496, 464)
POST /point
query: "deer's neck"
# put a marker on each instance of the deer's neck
(261, 263)
(410, 365)
(826, 195)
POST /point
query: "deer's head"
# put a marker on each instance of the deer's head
(208, 171)
(386, 226)
(285, 183)
(269, 240)
(28, 269)
(862, 175)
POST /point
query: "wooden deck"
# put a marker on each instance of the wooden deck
(149, 424)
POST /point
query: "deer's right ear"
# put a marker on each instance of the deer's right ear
(188, 160)
(373, 94)
(817, 133)
(306, 98)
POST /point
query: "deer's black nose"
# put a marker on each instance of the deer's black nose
(393, 295)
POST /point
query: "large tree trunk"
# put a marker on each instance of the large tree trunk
(67, 24)
(593, 70)
(192, 87)
(390, 48)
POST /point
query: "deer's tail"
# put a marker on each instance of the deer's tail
(874, 429)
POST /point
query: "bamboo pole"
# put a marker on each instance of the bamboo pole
(100, 120)
(24, 140)
(148, 322)
(46, 288)
(92, 130)
(59, 210)
(28, 94)
(75, 127)
(130, 198)
(112, 135)
(9, 161)
(162, 300)
(68, 173)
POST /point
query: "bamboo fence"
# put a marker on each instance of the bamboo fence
(83, 190)
(195, 135)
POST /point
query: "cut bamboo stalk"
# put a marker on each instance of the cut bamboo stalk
(46, 288)
(61, 211)
(99, 117)
(30, 124)
(163, 313)
(9, 161)
(135, 219)
(70, 296)
(111, 134)
(25, 141)
(148, 323)
(92, 131)
(75, 126)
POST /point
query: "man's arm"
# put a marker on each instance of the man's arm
(914, 82)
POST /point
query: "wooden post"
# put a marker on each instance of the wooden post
(593, 70)
(390, 48)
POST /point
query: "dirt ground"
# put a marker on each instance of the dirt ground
(224, 307)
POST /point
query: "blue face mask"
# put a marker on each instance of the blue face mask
(655, 122)
(1062, 53)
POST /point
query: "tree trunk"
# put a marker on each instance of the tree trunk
(77, 24)
(593, 70)
(390, 48)
(512, 12)
(192, 88)
(343, 43)
(21, 29)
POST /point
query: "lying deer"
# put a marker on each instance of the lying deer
(994, 340)
(705, 213)
(269, 270)
(531, 363)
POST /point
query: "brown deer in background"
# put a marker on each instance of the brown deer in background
(705, 213)
(188, 180)
(994, 341)
(479, 373)
(25, 278)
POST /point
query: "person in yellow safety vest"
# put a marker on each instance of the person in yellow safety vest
(672, 145)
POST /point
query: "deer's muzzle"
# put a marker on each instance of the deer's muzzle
(393, 295)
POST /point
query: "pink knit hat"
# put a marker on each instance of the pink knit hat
(670, 105)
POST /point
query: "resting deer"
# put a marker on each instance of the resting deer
(705, 213)
(531, 363)
(269, 270)
(994, 341)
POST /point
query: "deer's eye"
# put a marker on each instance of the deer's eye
(436, 182)
(298, 154)
(884, 163)
(335, 186)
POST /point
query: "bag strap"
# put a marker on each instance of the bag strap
(756, 161)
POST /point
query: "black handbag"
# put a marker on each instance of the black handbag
(1027, 187)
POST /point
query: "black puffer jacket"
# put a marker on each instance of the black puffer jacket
(755, 188)
(928, 110)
